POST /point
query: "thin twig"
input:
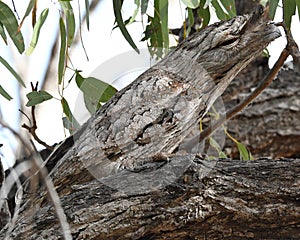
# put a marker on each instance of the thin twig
(80, 33)
(32, 129)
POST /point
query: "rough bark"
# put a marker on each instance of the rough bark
(223, 199)
(123, 176)
(270, 126)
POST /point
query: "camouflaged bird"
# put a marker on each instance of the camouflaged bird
(153, 116)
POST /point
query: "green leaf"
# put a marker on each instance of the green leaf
(244, 152)
(5, 94)
(36, 31)
(12, 71)
(87, 14)
(163, 14)
(9, 21)
(191, 3)
(94, 91)
(73, 123)
(272, 8)
(298, 7)
(221, 14)
(62, 52)
(289, 9)
(137, 3)
(28, 10)
(68, 10)
(37, 97)
(117, 5)
(229, 5)
(204, 13)
(144, 6)
(2, 33)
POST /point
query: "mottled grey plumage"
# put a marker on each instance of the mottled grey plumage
(152, 116)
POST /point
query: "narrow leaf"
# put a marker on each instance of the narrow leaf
(74, 125)
(221, 14)
(244, 152)
(9, 21)
(191, 3)
(2, 33)
(272, 8)
(289, 9)
(68, 10)
(117, 4)
(229, 5)
(5, 94)
(37, 97)
(298, 7)
(62, 52)
(12, 71)
(204, 13)
(87, 14)
(137, 3)
(144, 6)
(163, 12)
(28, 10)
(36, 31)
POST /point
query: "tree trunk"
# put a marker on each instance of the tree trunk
(130, 174)
(223, 199)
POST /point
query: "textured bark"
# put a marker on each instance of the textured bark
(223, 199)
(125, 175)
(270, 126)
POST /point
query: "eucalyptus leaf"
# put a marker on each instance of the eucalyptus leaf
(2, 33)
(87, 14)
(9, 21)
(68, 10)
(28, 10)
(272, 8)
(62, 51)
(191, 3)
(37, 97)
(12, 71)
(163, 14)
(117, 5)
(229, 5)
(94, 91)
(144, 6)
(5, 94)
(137, 3)
(73, 123)
(289, 9)
(36, 31)
(244, 152)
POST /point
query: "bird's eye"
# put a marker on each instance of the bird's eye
(228, 42)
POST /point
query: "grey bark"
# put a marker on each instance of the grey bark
(270, 126)
(123, 175)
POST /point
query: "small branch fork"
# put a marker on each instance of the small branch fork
(290, 49)
(32, 129)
